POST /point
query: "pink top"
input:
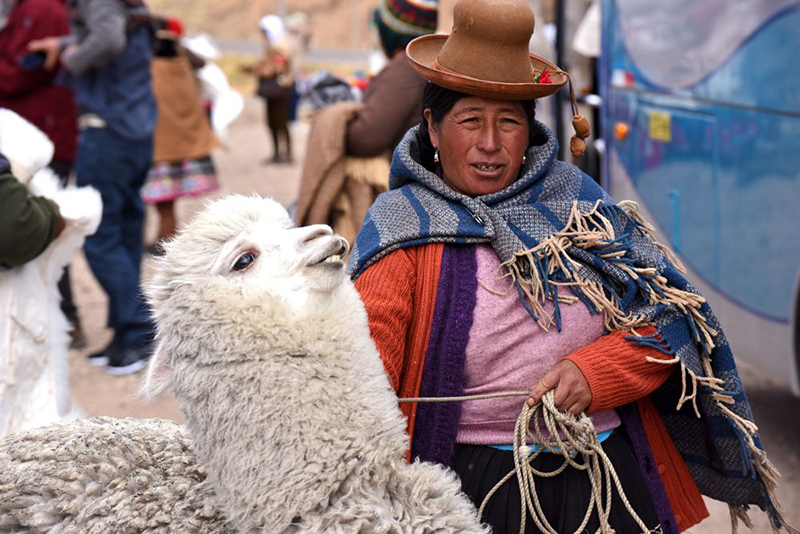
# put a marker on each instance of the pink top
(508, 351)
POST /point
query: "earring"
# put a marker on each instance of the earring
(524, 159)
(436, 156)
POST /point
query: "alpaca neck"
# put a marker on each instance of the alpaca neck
(280, 434)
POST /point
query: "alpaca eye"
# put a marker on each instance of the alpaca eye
(244, 261)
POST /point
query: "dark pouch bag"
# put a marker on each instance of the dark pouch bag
(270, 88)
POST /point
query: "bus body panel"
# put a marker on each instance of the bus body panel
(716, 163)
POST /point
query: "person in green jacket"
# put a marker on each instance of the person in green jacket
(27, 224)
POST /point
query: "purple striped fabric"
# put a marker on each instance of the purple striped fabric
(436, 424)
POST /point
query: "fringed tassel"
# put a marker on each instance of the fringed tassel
(594, 232)
(655, 341)
(738, 513)
(778, 524)
(631, 209)
(691, 379)
(766, 471)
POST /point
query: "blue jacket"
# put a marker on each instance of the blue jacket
(110, 71)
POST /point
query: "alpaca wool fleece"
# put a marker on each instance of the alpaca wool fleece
(104, 475)
(285, 392)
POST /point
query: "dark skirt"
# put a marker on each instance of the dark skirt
(278, 111)
(564, 498)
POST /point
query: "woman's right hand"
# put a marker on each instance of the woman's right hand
(572, 393)
(51, 46)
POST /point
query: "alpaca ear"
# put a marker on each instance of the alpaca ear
(158, 374)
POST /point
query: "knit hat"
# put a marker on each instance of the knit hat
(399, 21)
(175, 26)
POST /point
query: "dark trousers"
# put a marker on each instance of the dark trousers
(62, 168)
(278, 110)
(117, 168)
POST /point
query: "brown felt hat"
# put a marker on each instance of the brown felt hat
(486, 53)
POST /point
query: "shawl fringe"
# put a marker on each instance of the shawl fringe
(539, 272)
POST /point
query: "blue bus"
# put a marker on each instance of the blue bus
(701, 122)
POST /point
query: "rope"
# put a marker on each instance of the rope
(568, 435)
(466, 397)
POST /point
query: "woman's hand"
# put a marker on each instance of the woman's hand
(572, 390)
(51, 46)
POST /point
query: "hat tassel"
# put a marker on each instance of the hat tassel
(577, 145)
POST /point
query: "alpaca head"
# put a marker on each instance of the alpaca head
(235, 271)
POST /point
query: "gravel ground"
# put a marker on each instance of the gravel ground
(241, 170)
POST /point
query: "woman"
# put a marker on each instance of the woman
(490, 267)
(275, 85)
(34, 93)
(349, 145)
(393, 97)
(183, 139)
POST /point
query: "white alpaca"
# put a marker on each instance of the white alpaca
(265, 343)
(34, 378)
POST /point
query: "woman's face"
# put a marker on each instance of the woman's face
(481, 143)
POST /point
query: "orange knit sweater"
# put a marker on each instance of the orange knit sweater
(399, 293)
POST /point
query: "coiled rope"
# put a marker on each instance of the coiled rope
(567, 435)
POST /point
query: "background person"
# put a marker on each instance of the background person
(350, 144)
(41, 226)
(275, 85)
(33, 92)
(108, 58)
(489, 266)
(27, 224)
(183, 140)
(393, 100)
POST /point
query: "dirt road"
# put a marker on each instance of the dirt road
(241, 171)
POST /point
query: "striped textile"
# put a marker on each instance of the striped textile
(408, 17)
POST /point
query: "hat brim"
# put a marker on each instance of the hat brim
(423, 51)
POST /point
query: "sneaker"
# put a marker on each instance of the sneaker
(156, 249)
(77, 339)
(102, 357)
(129, 360)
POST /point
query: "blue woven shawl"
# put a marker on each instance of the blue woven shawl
(555, 228)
